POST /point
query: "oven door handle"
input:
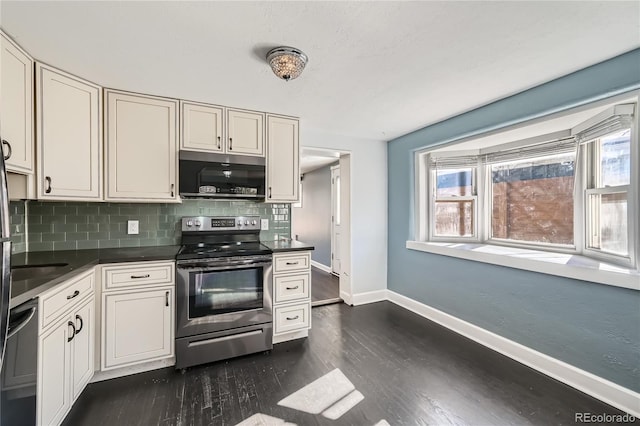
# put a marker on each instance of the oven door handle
(203, 267)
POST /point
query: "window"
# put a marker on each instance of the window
(608, 193)
(455, 197)
(572, 191)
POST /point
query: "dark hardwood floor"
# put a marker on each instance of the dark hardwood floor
(325, 287)
(410, 371)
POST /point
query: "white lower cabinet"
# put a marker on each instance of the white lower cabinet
(138, 327)
(65, 356)
(137, 313)
(292, 295)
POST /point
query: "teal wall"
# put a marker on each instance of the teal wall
(75, 225)
(591, 326)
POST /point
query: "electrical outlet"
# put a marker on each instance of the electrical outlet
(264, 224)
(132, 227)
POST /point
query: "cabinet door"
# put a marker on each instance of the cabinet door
(16, 106)
(137, 327)
(246, 133)
(141, 147)
(82, 348)
(54, 387)
(201, 127)
(69, 136)
(283, 168)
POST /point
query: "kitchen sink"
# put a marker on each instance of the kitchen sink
(25, 272)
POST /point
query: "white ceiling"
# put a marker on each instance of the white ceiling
(377, 70)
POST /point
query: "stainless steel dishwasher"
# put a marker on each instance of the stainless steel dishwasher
(19, 369)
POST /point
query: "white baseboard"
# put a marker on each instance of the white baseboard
(368, 297)
(602, 389)
(346, 297)
(320, 266)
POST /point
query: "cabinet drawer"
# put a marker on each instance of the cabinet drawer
(291, 262)
(288, 288)
(60, 299)
(127, 276)
(291, 318)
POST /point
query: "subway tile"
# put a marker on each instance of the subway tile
(88, 227)
(77, 219)
(130, 243)
(43, 246)
(83, 245)
(54, 237)
(40, 227)
(64, 227)
(75, 236)
(64, 245)
(108, 243)
(62, 210)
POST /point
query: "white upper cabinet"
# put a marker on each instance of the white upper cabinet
(16, 106)
(202, 127)
(141, 136)
(245, 132)
(283, 162)
(68, 135)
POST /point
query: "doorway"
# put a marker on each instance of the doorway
(319, 219)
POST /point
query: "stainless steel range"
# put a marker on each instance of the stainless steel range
(224, 301)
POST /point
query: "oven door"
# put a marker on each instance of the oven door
(222, 297)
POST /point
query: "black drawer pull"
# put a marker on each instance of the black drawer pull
(75, 294)
(78, 317)
(292, 288)
(292, 263)
(48, 182)
(8, 145)
(166, 299)
(72, 325)
(219, 142)
(293, 318)
(135, 277)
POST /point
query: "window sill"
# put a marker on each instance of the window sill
(559, 264)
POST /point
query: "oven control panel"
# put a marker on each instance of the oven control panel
(218, 223)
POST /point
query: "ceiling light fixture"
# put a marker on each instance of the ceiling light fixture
(287, 62)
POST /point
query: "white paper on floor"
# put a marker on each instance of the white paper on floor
(345, 404)
(382, 423)
(260, 419)
(320, 394)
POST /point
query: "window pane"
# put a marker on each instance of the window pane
(533, 200)
(608, 227)
(454, 218)
(452, 182)
(615, 159)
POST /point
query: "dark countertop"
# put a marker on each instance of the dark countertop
(287, 245)
(70, 263)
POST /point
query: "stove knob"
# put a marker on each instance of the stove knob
(189, 223)
(239, 223)
(198, 223)
(246, 222)
(254, 223)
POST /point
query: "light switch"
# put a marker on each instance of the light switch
(264, 224)
(132, 227)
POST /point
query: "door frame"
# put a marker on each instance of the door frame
(335, 243)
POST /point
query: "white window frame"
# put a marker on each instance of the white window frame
(433, 199)
(425, 197)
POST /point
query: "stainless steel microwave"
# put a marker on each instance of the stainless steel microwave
(211, 175)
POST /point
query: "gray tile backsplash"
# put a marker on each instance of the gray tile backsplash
(76, 225)
(17, 226)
